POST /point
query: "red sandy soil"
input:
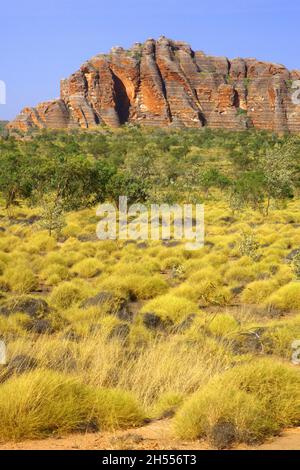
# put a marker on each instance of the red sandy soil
(154, 436)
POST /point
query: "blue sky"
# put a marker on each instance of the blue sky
(44, 41)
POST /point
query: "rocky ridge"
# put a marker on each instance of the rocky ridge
(165, 83)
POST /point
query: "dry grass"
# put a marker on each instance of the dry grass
(40, 403)
(254, 400)
(205, 301)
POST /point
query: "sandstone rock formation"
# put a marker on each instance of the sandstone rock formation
(165, 83)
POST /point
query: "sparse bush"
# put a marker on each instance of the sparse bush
(52, 214)
(248, 246)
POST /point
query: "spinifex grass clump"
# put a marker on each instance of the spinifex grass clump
(40, 403)
(256, 292)
(20, 279)
(134, 286)
(171, 307)
(286, 298)
(255, 400)
(280, 335)
(88, 268)
(69, 293)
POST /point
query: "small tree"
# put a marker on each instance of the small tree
(248, 189)
(14, 180)
(236, 203)
(277, 166)
(52, 214)
(212, 178)
(124, 184)
(248, 246)
(296, 265)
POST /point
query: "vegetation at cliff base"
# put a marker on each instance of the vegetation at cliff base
(2, 128)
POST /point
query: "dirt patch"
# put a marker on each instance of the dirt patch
(157, 436)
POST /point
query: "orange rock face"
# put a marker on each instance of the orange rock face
(164, 83)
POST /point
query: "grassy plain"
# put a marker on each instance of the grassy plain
(107, 334)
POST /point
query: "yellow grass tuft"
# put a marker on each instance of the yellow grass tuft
(171, 307)
(40, 403)
(20, 279)
(286, 298)
(253, 400)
